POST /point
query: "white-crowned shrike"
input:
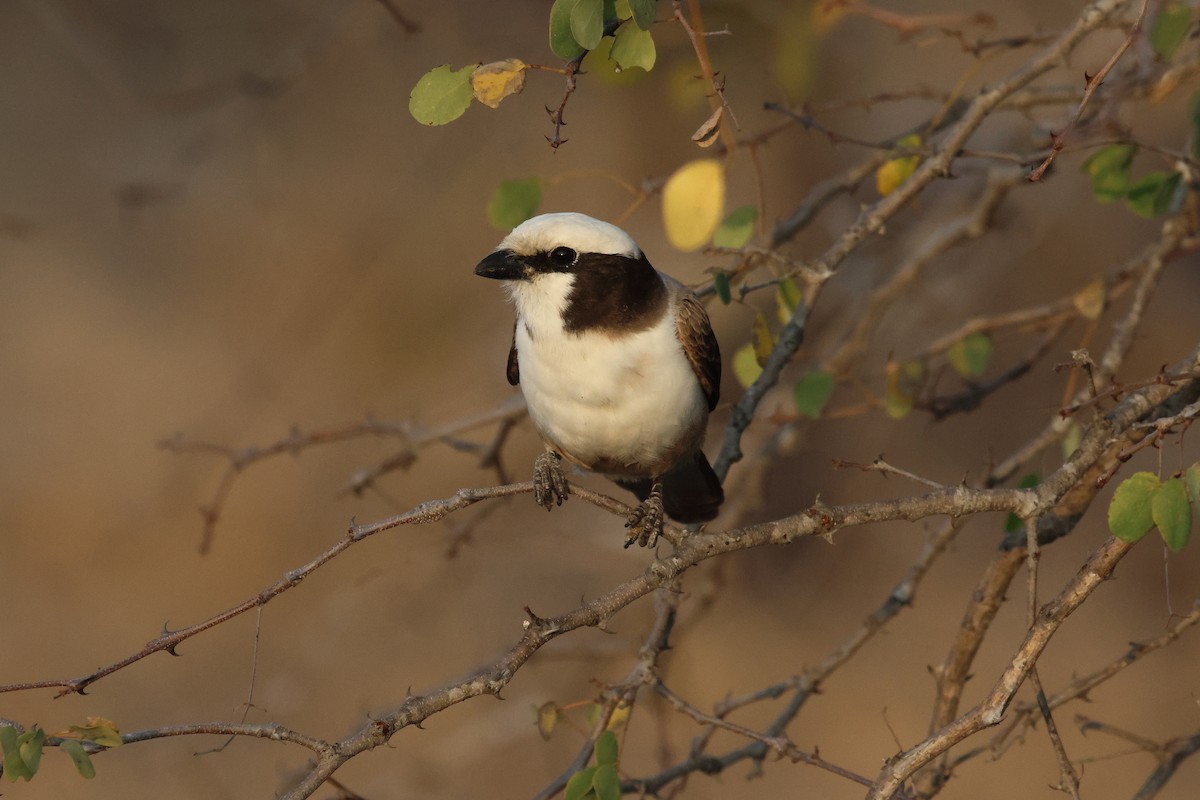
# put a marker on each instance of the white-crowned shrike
(618, 365)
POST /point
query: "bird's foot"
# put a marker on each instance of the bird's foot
(549, 483)
(646, 522)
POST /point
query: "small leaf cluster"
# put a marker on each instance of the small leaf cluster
(601, 781)
(1143, 501)
(23, 750)
(812, 391)
(904, 380)
(577, 27)
(1111, 171)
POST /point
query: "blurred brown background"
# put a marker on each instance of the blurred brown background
(219, 219)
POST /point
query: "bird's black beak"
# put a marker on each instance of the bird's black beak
(502, 265)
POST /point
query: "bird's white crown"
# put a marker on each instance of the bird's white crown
(569, 229)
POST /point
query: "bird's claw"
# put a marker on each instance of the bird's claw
(549, 483)
(646, 522)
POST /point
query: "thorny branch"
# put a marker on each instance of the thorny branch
(873, 218)
(692, 550)
(1139, 412)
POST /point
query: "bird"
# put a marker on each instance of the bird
(618, 364)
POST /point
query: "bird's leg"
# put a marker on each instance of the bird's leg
(646, 522)
(549, 482)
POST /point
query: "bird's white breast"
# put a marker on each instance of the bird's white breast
(628, 401)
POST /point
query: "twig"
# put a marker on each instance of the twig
(1176, 753)
(666, 604)
(1068, 778)
(779, 744)
(1092, 84)
(297, 441)
(410, 27)
(169, 640)
(971, 225)
(1081, 687)
(1149, 263)
(884, 468)
(1098, 568)
(717, 99)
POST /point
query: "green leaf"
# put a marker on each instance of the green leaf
(22, 752)
(1071, 439)
(593, 714)
(14, 766)
(970, 356)
(787, 297)
(587, 23)
(30, 745)
(441, 95)
(1172, 513)
(643, 12)
(607, 783)
(8, 738)
(812, 393)
(745, 365)
(1170, 28)
(1110, 168)
(633, 47)
(721, 285)
(1013, 523)
(1194, 114)
(1153, 194)
(606, 748)
(562, 41)
(513, 202)
(83, 762)
(1192, 476)
(580, 784)
(1130, 513)
(736, 229)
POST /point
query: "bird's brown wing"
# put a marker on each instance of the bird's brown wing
(695, 333)
(514, 369)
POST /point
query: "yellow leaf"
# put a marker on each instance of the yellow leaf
(1089, 301)
(97, 729)
(547, 718)
(693, 203)
(764, 342)
(895, 172)
(620, 716)
(745, 365)
(903, 382)
(493, 82)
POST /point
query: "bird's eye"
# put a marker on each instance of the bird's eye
(564, 256)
